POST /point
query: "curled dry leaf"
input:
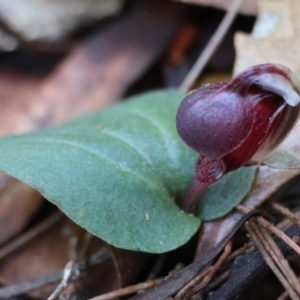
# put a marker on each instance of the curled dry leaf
(273, 48)
(275, 37)
(264, 46)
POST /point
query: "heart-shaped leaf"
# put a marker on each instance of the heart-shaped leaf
(222, 196)
(280, 159)
(117, 172)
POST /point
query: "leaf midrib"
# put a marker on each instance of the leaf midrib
(101, 158)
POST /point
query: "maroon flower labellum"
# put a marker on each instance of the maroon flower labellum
(237, 123)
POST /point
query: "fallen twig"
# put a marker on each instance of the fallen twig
(285, 294)
(211, 46)
(173, 284)
(30, 234)
(238, 252)
(23, 288)
(287, 213)
(64, 283)
(157, 267)
(248, 269)
(218, 281)
(273, 229)
(202, 280)
(128, 290)
(270, 257)
(186, 291)
(283, 264)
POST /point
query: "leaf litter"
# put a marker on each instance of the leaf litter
(266, 183)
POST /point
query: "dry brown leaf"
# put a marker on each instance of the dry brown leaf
(127, 264)
(280, 45)
(95, 75)
(43, 255)
(248, 7)
(18, 202)
(50, 252)
(65, 241)
(51, 21)
(275, 39)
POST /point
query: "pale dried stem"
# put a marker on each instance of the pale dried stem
(216, 266)
(211, 47)
(202, 280)
(185, 290)
(273, 229)
(238, 252)
(128, 290)
(286, 223)
(30, 234)
(261, 244)
(12, 291)
(282, 262)
(218, 281)
(285, 294)
(64, 282)
(287, 213)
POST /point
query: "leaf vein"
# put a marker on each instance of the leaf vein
(163, 135)
(107, 161)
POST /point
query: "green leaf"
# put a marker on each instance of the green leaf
(281, 160)
(117, 173)
(225, 194)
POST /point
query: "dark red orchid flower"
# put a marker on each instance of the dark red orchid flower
(237, 123)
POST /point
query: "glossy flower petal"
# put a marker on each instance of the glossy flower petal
(237, 123)
(243, 120)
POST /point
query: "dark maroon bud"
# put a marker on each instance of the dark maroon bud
(237, 123)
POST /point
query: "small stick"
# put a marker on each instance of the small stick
(23, 288)
(64, 283)
(196, 284)
(182, 294)
(211, 47)
(285, 223)
(273, 229)
(157, 267)
(216, 266)
(218, 281)
(253, 231)
(285, 294)
(30, 234)
(283, 264)
(238, 252)
(128, 290)
(287, 213)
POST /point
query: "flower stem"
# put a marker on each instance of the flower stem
(189, 202)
